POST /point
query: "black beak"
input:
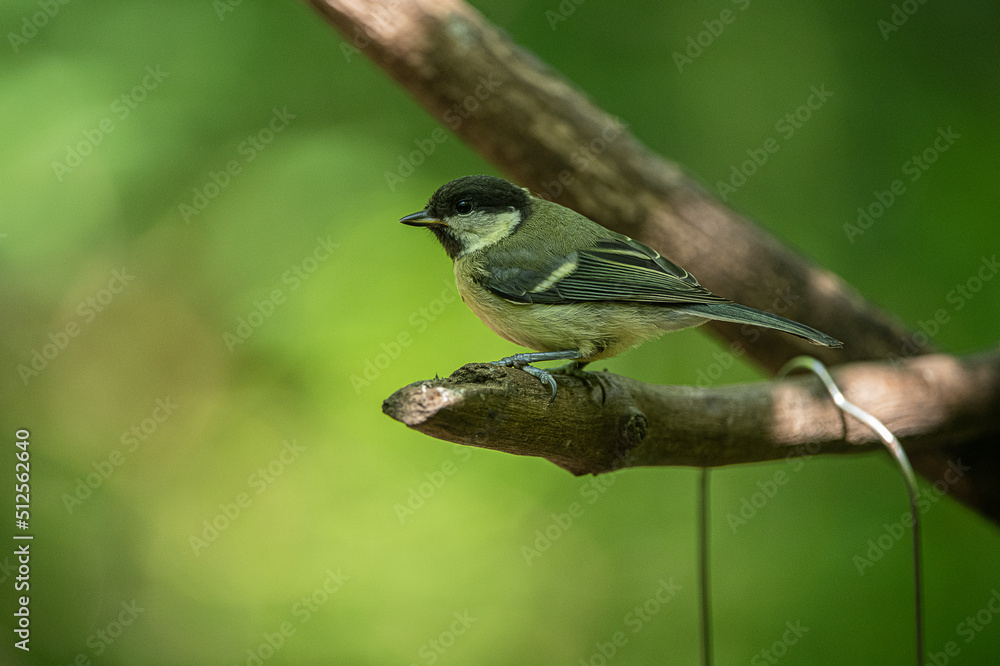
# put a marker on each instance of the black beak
(420, 219)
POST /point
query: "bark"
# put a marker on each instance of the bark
(606, 421)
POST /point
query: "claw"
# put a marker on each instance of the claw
(543, 376)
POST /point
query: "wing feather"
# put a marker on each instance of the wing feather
(613, 269)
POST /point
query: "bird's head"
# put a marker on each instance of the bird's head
(472, 213)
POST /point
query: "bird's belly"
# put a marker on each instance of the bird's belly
(596, 330)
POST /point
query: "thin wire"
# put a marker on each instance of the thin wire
(895, 449)
(705, 590)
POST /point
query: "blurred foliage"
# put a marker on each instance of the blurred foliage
(279, 144)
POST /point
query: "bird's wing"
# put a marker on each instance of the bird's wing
(613, 269)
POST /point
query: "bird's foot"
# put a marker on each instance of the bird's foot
(522, 361)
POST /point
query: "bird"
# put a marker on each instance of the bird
(547, 278)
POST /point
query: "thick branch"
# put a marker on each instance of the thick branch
(544, 132)
(929, 402)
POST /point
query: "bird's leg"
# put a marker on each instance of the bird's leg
(522, 360)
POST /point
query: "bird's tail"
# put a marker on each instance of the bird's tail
(742, 314)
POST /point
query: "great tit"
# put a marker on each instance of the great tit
(545, 277)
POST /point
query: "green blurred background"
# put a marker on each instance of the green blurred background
(358, 541)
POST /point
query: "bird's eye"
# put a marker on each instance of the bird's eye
(464, 207)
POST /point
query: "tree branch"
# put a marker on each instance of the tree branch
(929, 402)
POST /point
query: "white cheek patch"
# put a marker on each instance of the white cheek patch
(502, 226)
